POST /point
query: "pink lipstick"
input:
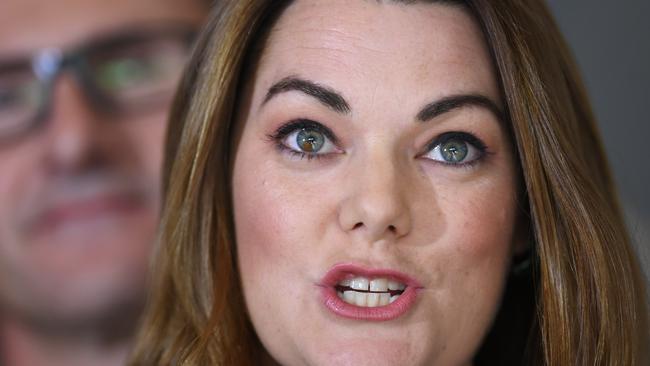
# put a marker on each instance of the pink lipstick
(360, 293)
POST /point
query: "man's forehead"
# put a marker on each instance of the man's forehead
(29, 25)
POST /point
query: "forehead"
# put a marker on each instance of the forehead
(27, 25)
(429, 48)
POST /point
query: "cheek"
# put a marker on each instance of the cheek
(480, 213)
(479, 236)
(10, 191)
(469, 256)
(274, 222)
(279, 213)
(472, 225)
(268, 236)
(480, 239)
(22, 161)
(146, 138)
(258, 220)
(487, 223)
(257, 215)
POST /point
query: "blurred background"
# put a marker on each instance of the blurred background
(611, 42)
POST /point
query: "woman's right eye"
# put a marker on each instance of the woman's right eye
(309, 142)
(306, 138)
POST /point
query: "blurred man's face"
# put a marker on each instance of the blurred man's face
(79, 192)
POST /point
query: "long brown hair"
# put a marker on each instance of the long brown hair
(581, 303)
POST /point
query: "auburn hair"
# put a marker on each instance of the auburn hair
(582, 302)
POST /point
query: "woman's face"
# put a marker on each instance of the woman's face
(374, 186)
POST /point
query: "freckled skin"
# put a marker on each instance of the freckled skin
(378, 202)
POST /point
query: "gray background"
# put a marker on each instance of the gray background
(611, 42)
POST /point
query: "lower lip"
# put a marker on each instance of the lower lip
(397, 308)
(87, 210)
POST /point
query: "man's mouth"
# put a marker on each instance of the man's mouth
(89, 208)
(84, 205)
(366, 292)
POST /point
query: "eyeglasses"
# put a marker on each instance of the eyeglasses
(120, 74)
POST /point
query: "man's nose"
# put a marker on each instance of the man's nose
(72, 133)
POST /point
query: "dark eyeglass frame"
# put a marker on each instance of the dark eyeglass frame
(49, 64)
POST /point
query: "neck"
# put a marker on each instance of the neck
(23, 345)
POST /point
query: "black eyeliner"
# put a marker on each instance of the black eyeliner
(296, 125)
(461, 136)
(300, 124)
(456, 135)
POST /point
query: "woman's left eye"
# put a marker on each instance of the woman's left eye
(455, 148)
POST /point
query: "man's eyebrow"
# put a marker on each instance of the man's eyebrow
(326, 96)
(447, 104)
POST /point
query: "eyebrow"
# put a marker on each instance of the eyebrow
(335, 101)
(447, 104)
(326, 96)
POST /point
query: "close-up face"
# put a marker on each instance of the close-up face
(374, 186)
(79, 187)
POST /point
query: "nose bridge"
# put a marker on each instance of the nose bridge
(380, 180)
(71, 129)
(377, 203)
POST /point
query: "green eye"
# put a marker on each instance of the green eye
(310, 141)
(456, 148)
(306, 138)
(124, 73)
(131, 71)
(454, 151)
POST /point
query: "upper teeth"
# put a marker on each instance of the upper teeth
(362, 291)
(374, 285)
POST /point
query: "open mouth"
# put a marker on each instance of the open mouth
(365, 292)
(361, 293)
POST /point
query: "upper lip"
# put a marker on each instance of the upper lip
(341, 271)
(57, 206)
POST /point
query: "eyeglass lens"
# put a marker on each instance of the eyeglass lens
(138, 71)
(21, 96)
(127, 74)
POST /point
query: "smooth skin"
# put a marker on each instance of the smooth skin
(377, 196)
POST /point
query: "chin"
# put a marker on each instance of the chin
(368, 349)
(375, 354)
(366, 357)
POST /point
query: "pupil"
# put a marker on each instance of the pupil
(310, 141)
(454, 151)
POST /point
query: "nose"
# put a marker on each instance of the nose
(376, 206)
(71, 132)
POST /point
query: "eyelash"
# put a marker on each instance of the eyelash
(465, 137)
(306, 124)
(296, 125)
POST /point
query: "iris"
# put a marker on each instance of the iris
(454, 151)
(310, 141)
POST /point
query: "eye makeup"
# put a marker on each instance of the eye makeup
(447, 145)
(285, 131)
(454, 148)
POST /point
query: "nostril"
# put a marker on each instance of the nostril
(358, 225)
(392, 229)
